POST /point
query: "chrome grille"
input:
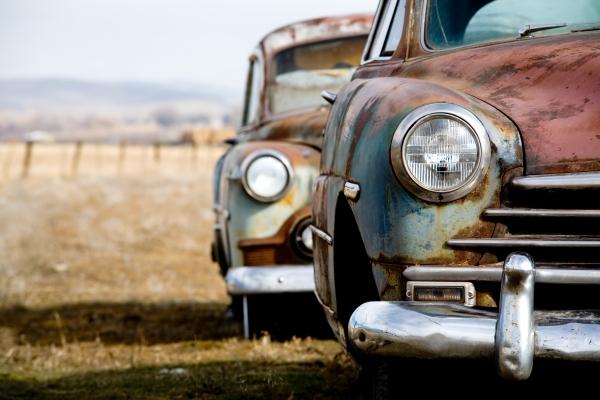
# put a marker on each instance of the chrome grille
(555, 218)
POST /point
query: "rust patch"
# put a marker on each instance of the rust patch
(548, 86)
(276, 249)
(305, 127)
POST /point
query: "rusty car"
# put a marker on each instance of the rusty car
(460, 174)
(263, 184)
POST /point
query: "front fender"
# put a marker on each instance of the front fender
(396, 226)
(244, 218)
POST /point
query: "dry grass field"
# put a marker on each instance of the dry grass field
(107, 289)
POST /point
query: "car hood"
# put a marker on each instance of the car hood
(550, 88)
(304, 128)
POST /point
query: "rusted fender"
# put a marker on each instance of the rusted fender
(300, 127)
(550, 87)
(244, 218)
(395, 226)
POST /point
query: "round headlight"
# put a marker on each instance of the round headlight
(440, 152)
(303, 238)
(266, 175)
(307, 238)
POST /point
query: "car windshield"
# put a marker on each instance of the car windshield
(451, 23)
(300, 74)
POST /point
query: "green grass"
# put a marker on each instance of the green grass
(220, 380)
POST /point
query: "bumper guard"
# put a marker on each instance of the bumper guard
(513, 336)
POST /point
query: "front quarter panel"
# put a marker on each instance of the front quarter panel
(246, 218)
(396, 227)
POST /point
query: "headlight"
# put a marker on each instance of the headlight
(307, 238)
(267, 175)
(440, 152)
(303, 238)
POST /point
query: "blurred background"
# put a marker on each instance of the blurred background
(135, 70)
(112, 115)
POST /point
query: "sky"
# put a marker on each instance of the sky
(203, 41)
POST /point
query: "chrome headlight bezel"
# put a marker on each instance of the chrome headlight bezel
(424, 114)
(251, 158)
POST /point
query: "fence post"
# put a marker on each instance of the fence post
(194, 155)
(8, 157)
(157, 152)
(27, 159)
(76, 159)
(122, 151)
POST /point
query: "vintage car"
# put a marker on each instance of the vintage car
(460, 173)
(263, 184)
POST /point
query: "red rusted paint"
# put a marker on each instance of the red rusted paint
(550, 87)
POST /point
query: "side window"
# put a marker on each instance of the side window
(253, 87)
(387, 30)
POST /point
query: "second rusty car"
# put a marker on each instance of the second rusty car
(460, 175)
(263, 184)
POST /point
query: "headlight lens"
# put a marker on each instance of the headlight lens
(307, 238)
(303, 239)
(441, 154)
(267, 176)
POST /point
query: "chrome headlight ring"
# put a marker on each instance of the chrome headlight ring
(282, 165)
(458, 116)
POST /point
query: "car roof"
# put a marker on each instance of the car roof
(315, 30)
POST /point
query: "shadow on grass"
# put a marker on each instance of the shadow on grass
(221, 380)
(121, 323)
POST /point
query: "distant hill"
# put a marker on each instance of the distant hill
(68, 110)
(23, 95)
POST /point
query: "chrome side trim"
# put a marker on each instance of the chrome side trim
(564, 275)
(516, 242)
(514, 342)
(575, 181)
(351, 190)
(322, 234)
(244, 281)
(539, 213)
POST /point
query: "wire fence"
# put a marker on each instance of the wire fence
(20, 160)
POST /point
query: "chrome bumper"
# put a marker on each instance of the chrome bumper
(513, 336)
(244, 281)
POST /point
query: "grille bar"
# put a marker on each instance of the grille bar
(576, 181)
(539, 213)
(525, 242)
(565, 275)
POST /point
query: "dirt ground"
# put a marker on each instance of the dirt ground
(107, 291)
